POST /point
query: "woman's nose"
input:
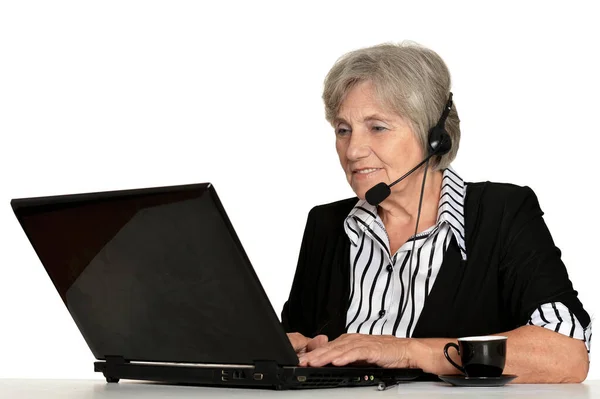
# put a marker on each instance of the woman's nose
(359, 147)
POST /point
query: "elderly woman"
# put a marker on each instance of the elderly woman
(367, 289)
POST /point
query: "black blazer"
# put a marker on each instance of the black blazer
(512, 267)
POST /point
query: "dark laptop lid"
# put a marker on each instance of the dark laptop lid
(155, 274)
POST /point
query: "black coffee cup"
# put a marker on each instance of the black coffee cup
(480, 356)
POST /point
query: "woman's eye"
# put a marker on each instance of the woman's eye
(340, 131)
(379, 128)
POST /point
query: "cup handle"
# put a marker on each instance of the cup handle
(453, 345)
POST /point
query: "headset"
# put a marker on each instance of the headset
(439, 143)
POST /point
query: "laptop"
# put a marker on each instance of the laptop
(161, 289)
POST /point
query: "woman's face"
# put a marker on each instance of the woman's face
(373, 143)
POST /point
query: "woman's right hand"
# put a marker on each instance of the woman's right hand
(304, 344)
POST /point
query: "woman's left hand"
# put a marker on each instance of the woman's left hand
(381, 350)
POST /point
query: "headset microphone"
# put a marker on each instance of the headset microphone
(439, 143)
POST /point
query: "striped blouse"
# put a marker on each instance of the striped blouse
(388, 291)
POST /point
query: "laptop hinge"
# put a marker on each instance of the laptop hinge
(115, 359)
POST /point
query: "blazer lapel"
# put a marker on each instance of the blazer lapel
(333, 321)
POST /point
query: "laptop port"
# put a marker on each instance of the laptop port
(224, 375)
(301, 378)
(258, 376)
(239, 375)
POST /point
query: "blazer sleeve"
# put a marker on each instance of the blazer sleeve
(531, 271)
(295, 316)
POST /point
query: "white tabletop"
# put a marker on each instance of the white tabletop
(98, 389)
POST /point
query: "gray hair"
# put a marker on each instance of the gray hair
(410, 79)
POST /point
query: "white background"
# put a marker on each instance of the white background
(124, 94)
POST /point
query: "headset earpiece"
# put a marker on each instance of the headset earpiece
(439, 139)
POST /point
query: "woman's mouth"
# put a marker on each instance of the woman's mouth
(365, 171)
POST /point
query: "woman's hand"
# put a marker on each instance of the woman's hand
(380, 350)
(304, 344)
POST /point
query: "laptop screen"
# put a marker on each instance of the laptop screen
(155, 275)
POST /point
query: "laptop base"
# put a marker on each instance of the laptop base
(266, 375)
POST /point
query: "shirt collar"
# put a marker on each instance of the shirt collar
(450, 211)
